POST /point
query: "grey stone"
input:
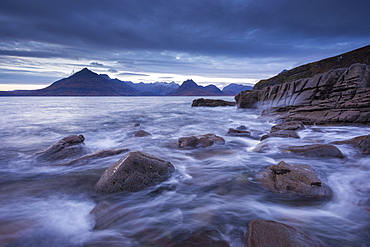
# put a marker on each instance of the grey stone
(134, 172)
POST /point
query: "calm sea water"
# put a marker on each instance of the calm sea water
(212, 193)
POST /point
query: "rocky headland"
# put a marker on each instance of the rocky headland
(331, 91)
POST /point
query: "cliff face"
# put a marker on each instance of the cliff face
(339, 95)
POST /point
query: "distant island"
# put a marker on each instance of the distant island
(88, 83)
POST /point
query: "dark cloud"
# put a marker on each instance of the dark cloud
(96, 64)
(132, 74)
(147, 35)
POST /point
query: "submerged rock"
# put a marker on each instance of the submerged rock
(134, 172)
(293, 180)
(362, 143)
(68, 147)
(317, 150)
(263, 233)
(293, 125)
(96, 155)
(238, 132)
(141, 133)
(200, 141)
(281, 134)
(212, 102)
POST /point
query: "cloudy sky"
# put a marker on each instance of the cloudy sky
(210, 41)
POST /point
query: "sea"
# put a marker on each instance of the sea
(212, 195)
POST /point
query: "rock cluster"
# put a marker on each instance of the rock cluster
(336, 96)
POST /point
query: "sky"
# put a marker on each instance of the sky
(210, 41)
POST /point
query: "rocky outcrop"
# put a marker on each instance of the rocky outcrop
(293, 180)
(337, 96)
(212, 102)
(68, 147)
(316, 150)
(271, 233)
(293, 125)
(134, 172)
(200, 141)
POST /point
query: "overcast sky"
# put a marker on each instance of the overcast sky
(210, 41)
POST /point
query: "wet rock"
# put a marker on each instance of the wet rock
(282, 134)
(238, 132)
(263, 233)
(141, 133)
(247, 99)
(317, 150)
(212, 102)
(293, 125)
(360, 142)
(68, 147)
(200, 141)
(364, 145)
(293, 180)
(134, 172)
(97, 155)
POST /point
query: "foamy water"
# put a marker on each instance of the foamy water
(213, 190)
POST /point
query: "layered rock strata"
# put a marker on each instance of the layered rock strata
(336, 96)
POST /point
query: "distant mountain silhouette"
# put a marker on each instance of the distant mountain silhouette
(154, 89)
(82, 83)
(88, 83)
(233, 89)
(190, 88)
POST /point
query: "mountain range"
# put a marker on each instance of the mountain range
(88, 83)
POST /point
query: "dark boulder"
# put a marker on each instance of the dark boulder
(134, 172)
(293, 125)
(141, 133)
(266, 233)
(212, 102)
(317, 150)
(238, 132)
(200, 141)
(68, 147)
(293, 180)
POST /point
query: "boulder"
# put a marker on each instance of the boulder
(134, 172)
(293, 125)
(238, 132)
(212, 102)
(68, 147)
(317, 150)
(200, 141)
(141, 133)
(293, 180)
(264, 233)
